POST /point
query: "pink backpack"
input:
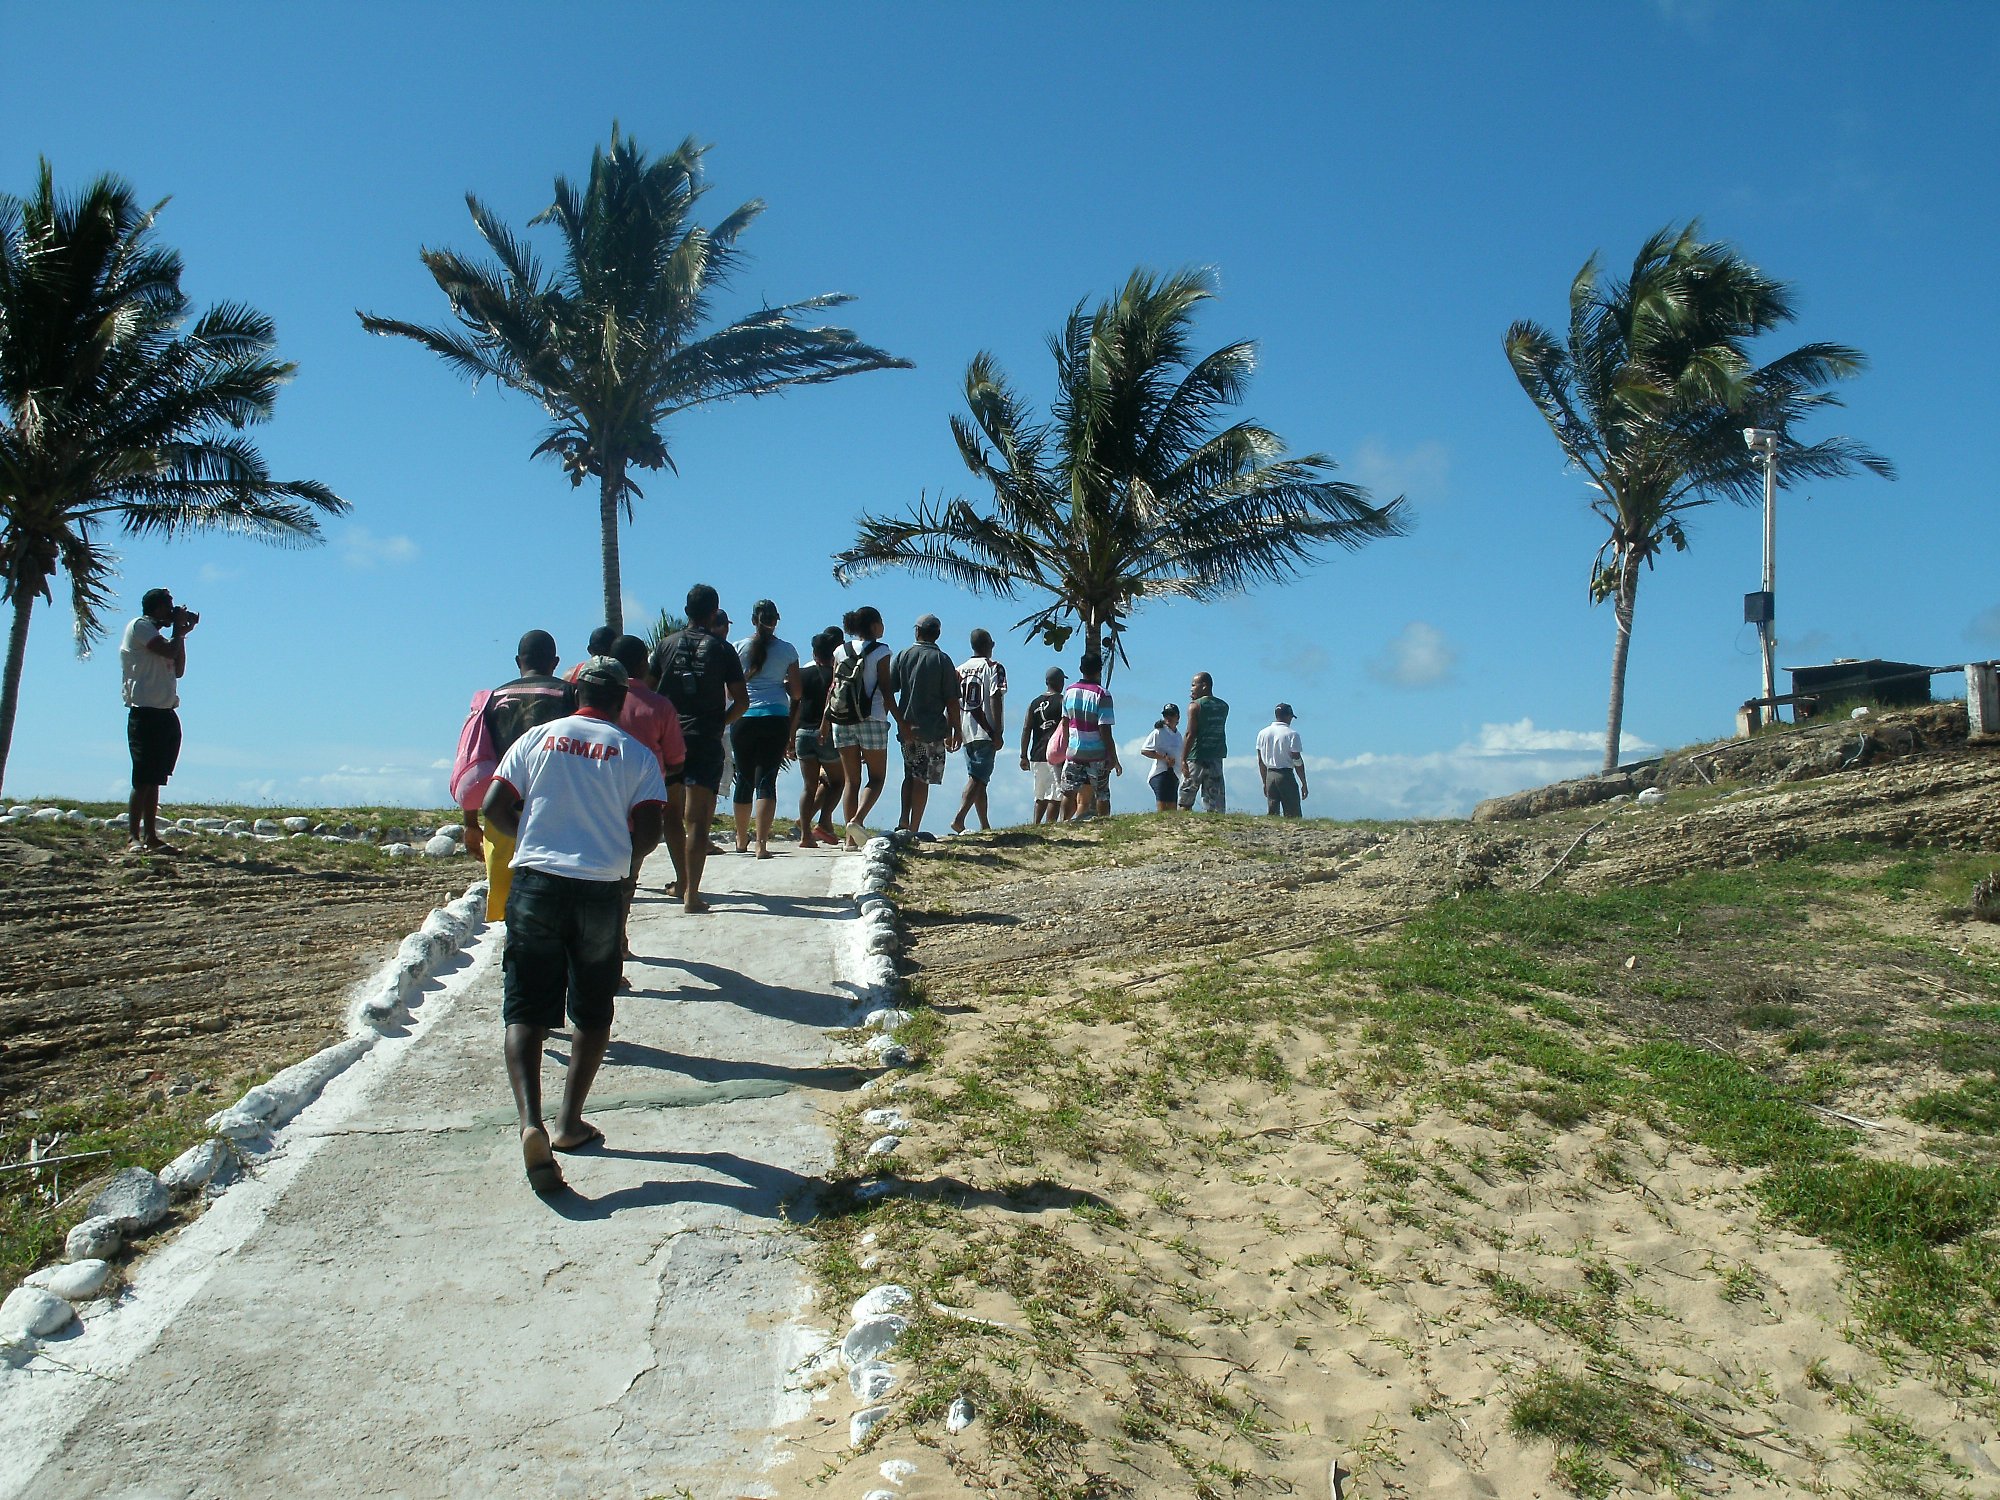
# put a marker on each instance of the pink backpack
(478, 757)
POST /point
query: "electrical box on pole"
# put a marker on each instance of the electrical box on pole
(1759, 608)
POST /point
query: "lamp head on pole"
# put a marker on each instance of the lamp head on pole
(1761, 441)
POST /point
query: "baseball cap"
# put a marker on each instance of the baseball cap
(1170, 711)
(605, 671)
(1283, 711)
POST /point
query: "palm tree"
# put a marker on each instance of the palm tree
(610, 344)
(1131, 489)
(117, 412)
(1649, 392)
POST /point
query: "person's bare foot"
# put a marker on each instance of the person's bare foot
(764, 854)
(694, 906)
(673, 890)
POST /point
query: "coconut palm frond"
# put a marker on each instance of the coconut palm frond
(609, 339)
(122, 404)
(1649, 393)
(1130, 488)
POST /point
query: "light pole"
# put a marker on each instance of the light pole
(1764, 443)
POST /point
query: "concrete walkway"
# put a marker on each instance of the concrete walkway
(404, 1317)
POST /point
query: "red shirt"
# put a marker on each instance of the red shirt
(650, 719)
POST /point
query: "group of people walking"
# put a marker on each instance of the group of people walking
(567, 783)
(1066, 741)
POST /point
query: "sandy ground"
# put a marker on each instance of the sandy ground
(1206, 1284)
(388, 1310)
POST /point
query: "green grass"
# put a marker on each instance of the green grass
(1594, 1415)
(137, 1131)
(1471, 980)
(1973, 1106)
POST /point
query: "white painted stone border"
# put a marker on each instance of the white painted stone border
(243, 1132)
(448, 840)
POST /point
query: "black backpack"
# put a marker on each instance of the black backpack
(681, 672)
(849, 699)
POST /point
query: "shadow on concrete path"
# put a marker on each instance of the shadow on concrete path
(771, 1192)
(781, 1002)
(760, 1189)
(834, 1077)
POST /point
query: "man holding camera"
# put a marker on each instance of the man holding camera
(153, 665)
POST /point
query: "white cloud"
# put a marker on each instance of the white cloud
(361, 548)
(1422, 473)
(1984, 626)
(215, 573)
(1498, 759)
(1523, 738)
(391, 785)
(1418, 655)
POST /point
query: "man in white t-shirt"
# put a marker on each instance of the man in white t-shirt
(582, 801)
(152, 663)
(1281, 762)
(982, 708)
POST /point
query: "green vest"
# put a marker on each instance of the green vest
(1207, 742)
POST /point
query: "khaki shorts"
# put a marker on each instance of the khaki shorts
(1045, 782)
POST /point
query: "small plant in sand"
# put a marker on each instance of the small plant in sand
(1986, 898)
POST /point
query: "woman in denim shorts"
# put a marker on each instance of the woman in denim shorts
(819, 760)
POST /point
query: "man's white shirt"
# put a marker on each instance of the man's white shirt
(1278, 747)
(980, 681)
(149, 676)
(579, 779)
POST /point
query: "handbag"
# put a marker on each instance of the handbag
(477, 757)
(1058, 751)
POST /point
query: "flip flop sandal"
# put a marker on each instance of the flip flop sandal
(544, 1176)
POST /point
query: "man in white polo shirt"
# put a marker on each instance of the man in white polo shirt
(1281, 762)
(582, 800)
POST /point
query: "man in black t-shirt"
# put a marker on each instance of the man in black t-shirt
(925, 683)
(534, 698)
(703, 678)
(1044, 714)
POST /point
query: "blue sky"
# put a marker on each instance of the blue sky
(1382, 189)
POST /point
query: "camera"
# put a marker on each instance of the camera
(185, 619)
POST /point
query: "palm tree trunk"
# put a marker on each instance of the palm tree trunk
(1622, 601)
(1094, 637)
(10, 683)
(610, 490)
